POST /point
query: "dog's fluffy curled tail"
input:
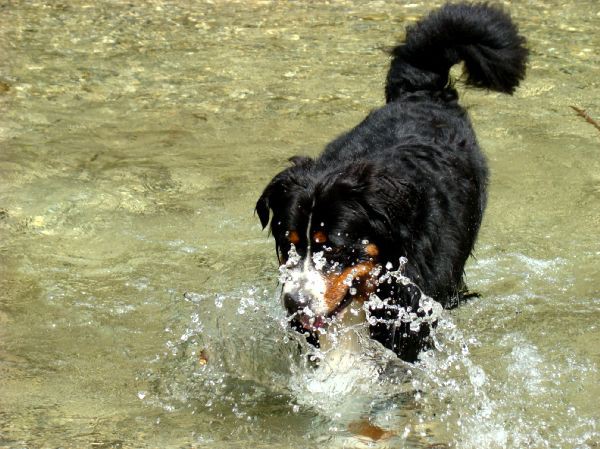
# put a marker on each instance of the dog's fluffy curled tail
(481, 35)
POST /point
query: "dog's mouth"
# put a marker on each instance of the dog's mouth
(313, 323)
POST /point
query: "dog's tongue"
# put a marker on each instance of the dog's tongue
(312, 323)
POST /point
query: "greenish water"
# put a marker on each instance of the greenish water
(134, 140)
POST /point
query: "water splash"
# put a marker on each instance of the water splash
(233, 356)
(428, 311)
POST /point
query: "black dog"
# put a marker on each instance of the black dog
(405, 189)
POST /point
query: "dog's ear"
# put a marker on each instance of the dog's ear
(303, 161)
(380, 195)
(262, 208)
(266, 200)
(355, 179)
(393, 199)
(277, 187)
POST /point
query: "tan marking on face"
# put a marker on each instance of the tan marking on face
(319, 237)
(337, 287)
(372, 250)
(293, 237)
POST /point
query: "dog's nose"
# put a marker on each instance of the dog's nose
(294, 301)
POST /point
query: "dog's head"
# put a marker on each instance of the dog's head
(335, 230)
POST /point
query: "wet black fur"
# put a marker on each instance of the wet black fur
(411, 177)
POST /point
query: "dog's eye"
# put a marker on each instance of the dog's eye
(337, 257)
(332, 250)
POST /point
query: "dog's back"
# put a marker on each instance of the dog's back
(424, 138)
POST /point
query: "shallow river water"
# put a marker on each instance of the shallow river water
(138, 293)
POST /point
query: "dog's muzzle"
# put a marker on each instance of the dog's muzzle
(296, 301)
(304, 290)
